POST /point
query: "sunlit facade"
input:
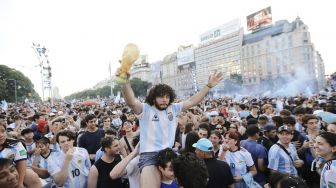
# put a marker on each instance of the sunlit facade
(141, 69)
(222, 53)
(168, 70)
(281, 52)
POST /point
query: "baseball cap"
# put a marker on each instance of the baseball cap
(213, 113)
(269, 128)
(114, 112)
(52, 114)
(203, 144)
(236, 118)
(285, 128)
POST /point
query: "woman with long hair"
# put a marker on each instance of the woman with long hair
(216, 140)
(238, 158)
(325, 146)
(16, 152)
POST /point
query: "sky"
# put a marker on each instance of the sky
(84, 36)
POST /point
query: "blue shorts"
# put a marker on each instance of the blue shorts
(147, 159)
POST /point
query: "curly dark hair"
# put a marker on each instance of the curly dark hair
(159, 91)
(190, 171)
(165, 156)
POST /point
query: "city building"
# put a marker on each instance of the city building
(168, 70)
(320, 71)
(141, 69)
(280, 54)
(219, 49)
(155, 72)
(186, 71)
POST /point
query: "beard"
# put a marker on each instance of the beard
(160, 106)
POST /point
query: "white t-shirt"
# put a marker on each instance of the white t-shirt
(133, 172)
(78, 168)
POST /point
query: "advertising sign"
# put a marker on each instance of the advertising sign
(259, 19)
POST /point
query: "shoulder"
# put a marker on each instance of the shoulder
(275, 148)
(243, 150)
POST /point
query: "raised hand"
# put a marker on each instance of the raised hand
(214, 79)
(69, 154)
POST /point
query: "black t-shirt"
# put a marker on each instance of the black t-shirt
(91, 141)
(267, 143)
(104, 169)
(220, 175)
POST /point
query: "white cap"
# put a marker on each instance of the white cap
(213, 113)
(236, 118)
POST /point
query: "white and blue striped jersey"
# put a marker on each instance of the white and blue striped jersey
(43, 163)
(239, 161)
(99, 154)
(278, 159)
(157, 127)
(30, 147)
(78, 169)
(55, 146)
(328, 175)
(14, 152)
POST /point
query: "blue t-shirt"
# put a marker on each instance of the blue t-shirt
(172, 185)
(257, 151)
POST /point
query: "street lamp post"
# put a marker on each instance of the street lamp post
(15, 91)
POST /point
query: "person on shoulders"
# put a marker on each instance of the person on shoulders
(158, 122)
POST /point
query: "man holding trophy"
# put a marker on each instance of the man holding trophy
(157, 115)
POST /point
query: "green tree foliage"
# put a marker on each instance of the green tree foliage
(139, 87)
(24, 87)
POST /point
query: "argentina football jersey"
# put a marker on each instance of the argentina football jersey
(78, 169)
(158, 127)
(328, 175)
(15, 152)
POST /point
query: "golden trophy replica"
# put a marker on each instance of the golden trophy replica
(130, 55)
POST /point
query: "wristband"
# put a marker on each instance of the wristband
(208, 86)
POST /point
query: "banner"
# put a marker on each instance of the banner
(259, 19)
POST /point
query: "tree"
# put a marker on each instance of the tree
(139, 87)
(9, 78)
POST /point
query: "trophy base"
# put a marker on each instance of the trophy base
(122, 79)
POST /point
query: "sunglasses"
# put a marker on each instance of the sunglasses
(218, 128)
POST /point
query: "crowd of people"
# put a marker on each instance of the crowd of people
(170, 143)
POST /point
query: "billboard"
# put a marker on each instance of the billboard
(185, 55)
(259, 19)
(220, 31)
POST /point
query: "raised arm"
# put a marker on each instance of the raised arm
(61, 176)
(130, 99)
(214, 79)
(120, 169)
